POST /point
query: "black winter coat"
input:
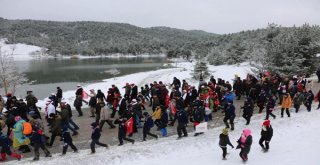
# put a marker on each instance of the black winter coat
(224, 141)
(267, 134)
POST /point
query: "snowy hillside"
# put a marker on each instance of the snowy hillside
(294, 143)
(21, 51)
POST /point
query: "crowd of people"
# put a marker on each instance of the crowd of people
(176, 102)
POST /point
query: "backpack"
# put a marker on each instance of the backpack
(27, 128)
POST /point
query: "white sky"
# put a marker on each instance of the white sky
(217, 16)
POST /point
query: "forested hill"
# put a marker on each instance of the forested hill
(96, 38)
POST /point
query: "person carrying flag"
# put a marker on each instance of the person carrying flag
(125, 127)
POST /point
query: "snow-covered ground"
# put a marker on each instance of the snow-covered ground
(21, 52)
(295, 142)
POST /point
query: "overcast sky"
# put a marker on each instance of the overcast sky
(217, 16)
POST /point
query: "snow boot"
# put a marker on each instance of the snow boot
(232, 127)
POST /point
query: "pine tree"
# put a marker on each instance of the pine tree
(200, 69)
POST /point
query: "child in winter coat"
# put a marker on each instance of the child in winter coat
(67, 140)
(148, 124)
(224, 141)
(5, 143)
(95, 136)
(266, 135)
(244, 143)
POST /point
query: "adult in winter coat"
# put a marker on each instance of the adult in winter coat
(198, 116)
(224, 141)
(248, 109)
(95, 136)
(55, 128)
(134, 92)
(266, 135)
(105, 114)
(5, 143)
(122, 131)
(298, 99)
(237, 87)
(19, 139)
(270, 107)
(230, 114)
(65, 117)
(164, 122)
(67, 141)
(261, 100)
(38, 140)
(244, 143)
(286, 104)
(31, 99)
(308, 100)
(318, 75)
(92, 102)
(59, 94)
(182, 118)
(78, 104)
(9, 120)
(100, 96)
(148, 124)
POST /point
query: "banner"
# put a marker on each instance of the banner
(202, 127)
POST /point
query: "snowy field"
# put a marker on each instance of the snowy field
(295, 142)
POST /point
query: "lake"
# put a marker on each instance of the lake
(47, 74)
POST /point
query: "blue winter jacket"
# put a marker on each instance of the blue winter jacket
(230, 111)
(148, 124)
(182, 117)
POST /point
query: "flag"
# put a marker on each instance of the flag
(129, 126)
(84, 95)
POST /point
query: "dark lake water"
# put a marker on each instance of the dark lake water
(47, 74)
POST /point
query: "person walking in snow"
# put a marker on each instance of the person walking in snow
(270, 107)
(308, 100)
(92, 102)
(298, 99)
(224, 141)
(181, 116)
(286, 104)
(67, 140)
(266, 135)
(148, 124)
(244, 143)
(229, 115)
(105, 114)
(5, 148)
(122, 131)
(248, 109)
(95, 136)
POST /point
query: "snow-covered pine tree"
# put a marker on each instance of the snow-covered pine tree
(200, 69)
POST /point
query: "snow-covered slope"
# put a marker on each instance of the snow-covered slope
(21, 52)
(295, 142)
